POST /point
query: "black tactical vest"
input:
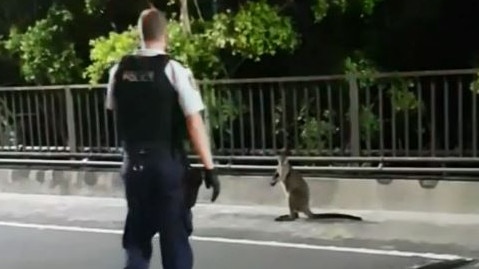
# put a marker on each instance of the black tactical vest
(147, 109)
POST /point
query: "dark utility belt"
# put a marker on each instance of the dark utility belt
(149, 147)
(193, 177)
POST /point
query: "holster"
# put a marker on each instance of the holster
(191, 184)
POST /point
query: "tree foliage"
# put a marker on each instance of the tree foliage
(46, 55)
(255, 30)
(94, 6)
(321, 8)
(106, 50)
(214, 48)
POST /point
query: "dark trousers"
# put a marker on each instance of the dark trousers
(154, 194)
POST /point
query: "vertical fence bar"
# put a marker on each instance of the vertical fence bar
(4, 133)
(5, 123)
(262, 120)
(4, 136)
(220, 116)
(30, 122)
(9, 119)
(381, 122)
(368, 126)
(330, 118)
(15, 123)
(89, 123)
(22, 114)
(406, 131)
(55, 119)
(206, 115)
(81, 140)
(354, 115)
(460, 115)
(393, 129)
(251, 119)
(70, 120)
(341, 120)
(433, 118)
(273, 118)
(474, 123)
(107, 125)
(46, 120)
(295, 118)
(242, 134)
(217, 116)
(446, 117)
(97, 121)
(39, 127)
(419, 117)
(306, 112)
(283, 110)
(115, 130)
(318, 114)
(232, 131)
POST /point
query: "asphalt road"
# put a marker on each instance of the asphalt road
(26, 248)
(40, 232)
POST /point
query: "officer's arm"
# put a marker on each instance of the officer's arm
(192, 104)
(199, 138)
(110, 101)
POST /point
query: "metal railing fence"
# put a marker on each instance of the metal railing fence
(427, 116)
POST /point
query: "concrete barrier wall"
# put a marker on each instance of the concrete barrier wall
(402, 195)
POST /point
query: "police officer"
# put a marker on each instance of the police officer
(157, 105)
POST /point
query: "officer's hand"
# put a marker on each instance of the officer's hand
(211, 180)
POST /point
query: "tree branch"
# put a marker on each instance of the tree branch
(286, 4)
(198, 10)
(184, 17)
(237, 66)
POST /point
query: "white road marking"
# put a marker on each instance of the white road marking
(395, 253)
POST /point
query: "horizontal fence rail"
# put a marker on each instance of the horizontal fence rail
(426, 118)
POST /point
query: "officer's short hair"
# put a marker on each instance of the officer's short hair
(152, 24)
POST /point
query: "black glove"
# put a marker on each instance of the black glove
(211, 180)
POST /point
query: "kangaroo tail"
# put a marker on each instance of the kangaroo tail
(335, 216)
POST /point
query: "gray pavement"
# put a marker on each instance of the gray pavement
(385, 240)
(33, 249)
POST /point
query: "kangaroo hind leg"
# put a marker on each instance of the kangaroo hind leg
(293, 213)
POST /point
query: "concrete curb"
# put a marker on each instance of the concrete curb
(400, 195)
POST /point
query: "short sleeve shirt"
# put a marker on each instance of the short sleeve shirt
(180, 77)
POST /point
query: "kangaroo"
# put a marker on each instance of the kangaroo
(297, 192)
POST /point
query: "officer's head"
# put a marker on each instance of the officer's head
(152, 26)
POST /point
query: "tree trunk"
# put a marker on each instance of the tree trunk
(184, 16)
